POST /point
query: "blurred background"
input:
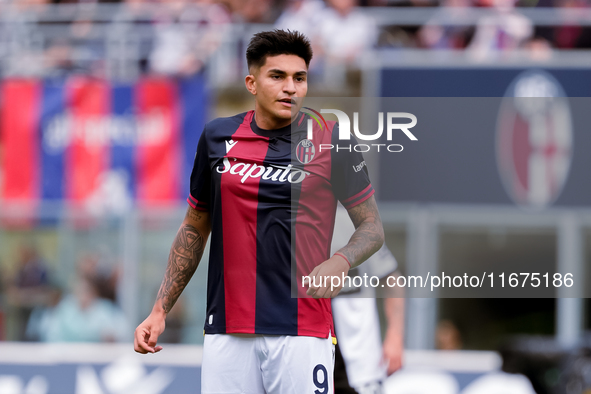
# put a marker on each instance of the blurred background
(101, 107)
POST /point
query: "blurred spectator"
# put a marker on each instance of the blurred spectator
(24, 4)
(539, 48)
(302, 16)
(100, 270)
(86, 315)
(76, 49)
(373, 3)
(59, 60)
(129, 40)
(32, 271)
(135, 3)
(81, 317)
(29, 287)
(439, 33)
(504, 31)
(345, 33)
(570, 36)
(85, 1)
(186, 38)
(2, 312)
(447, 336)
(20, 42)
(256, 11)
(343, 36)
(39, 314)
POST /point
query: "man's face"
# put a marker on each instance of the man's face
(275, 83)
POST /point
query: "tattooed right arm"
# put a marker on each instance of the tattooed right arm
(185, 254)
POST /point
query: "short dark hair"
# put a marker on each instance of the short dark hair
(277, 42)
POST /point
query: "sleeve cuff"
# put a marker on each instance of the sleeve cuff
(358, 198)
(196, 204)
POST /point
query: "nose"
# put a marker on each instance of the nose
(289, 86)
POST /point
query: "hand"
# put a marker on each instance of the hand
(147, 333)
(327, 275)
(393, 349)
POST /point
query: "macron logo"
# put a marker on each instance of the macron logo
(230, 144)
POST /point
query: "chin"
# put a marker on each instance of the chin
(283, 114)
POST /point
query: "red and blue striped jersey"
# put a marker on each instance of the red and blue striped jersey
(272, 197)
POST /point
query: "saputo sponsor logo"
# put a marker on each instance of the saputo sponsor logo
(392, 119)
(274, 173)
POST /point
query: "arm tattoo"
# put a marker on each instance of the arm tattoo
(194, 214)
(183, 260)
(369, 234)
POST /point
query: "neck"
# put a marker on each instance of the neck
(267, 122)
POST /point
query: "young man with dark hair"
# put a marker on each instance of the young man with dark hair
(267, 206)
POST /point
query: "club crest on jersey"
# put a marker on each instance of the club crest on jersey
(305, 151)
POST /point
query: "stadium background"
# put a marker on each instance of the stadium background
(101, 108)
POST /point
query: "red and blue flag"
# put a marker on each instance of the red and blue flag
(90, 142)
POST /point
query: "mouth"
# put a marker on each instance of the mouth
(286, 102)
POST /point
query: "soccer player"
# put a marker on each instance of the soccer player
(367, 361)
(268, 196)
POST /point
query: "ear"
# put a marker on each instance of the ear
(251, 84)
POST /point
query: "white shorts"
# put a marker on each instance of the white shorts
(267, 364)
(357, 325)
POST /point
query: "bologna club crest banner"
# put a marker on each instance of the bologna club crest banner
(99, 144)
(493, 136)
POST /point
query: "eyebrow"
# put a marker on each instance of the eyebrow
(281, 72)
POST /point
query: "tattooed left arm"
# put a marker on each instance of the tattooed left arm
(367, 239)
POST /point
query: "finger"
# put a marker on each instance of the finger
(315, 291)
(142, 341)
(313, 275)
(152, 340)
(321, 293)
(136, 345)
(314, 271)
(388, 363)
(331, 293)
(140, 349)
(394, 362)
(312, 290)
(334, 293)
(393, 367)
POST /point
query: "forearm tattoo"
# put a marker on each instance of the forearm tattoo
(183, 260)
(368, 236)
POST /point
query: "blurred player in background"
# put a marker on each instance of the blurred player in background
(248, 190)
(368, 362)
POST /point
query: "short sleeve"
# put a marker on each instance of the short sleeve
(200, 177)
(349, 175)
